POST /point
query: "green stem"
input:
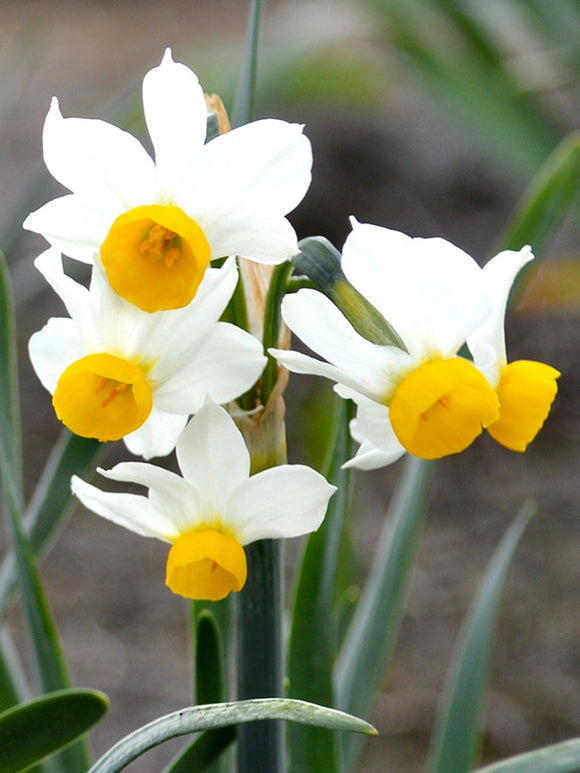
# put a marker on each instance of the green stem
(261, 670)
(276, 291)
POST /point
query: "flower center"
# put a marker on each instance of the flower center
(526, 391)
(103, 396)
(155, 257)
(206, 565)
(441, 407)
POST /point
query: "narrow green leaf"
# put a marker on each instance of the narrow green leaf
(210, 627)
(204, 751)
(52, 499)
(243, 110)
(455, 744)
(312, 647)
(47, 654)
(10, 434)
(561, 757)
(11, 675)
(32, 731)
(197, 718)
(547, 200)
(373, 630)
(483, 93)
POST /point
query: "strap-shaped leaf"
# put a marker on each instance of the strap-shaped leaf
(547, 200)
(32, 731)
(456, 739)
(10, 438)
(559, 758)
(198, 718)
(52, 499)
(312, 649)
(204, 751)
(373, 630)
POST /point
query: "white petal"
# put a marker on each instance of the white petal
(499, 274)
(176, 116)
(97, 160)
(132, 511)
(172, 337)
(53, 349)
(373, 430)
(370, 458)
(75, 297)
(262, 237)
(172, 497)
(73, 226)
(243, 183)
(368, 367)
(225, 365)
(429, 290)
(263, 166)
(283, 501)
(213, 457)
(158, 435)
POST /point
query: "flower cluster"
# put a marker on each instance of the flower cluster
(422, 397)
(144, 347)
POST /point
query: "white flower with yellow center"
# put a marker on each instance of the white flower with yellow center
(216, 508)
(118, 372)
(526, 389)
(156, 225)
(425, 400)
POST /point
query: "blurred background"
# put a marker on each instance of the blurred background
(428, 116)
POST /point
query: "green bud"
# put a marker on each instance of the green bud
(320, 261)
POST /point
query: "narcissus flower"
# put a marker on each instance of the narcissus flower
(216, 508)
(156, 225)
(118, 372)
(425, 399)
(526, 389)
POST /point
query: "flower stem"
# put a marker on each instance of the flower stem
(261, 670)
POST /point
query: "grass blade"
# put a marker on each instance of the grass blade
(312, 649)
(373, 630)
(198, 718)
(10, 433)
(455, 743)
(32, 731)
(561, 757)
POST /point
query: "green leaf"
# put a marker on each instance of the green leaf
(52, 499)
(562, 757)
(10, 435)
(455, 744)
(211, 623)
(204, 751)
(32, 731)
(312, 648)
(373, 630)
(197, 718)
(243, 110)
(547, 200)
(468, 73)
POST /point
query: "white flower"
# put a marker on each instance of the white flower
(216, 508)
(526, 389)
(425, 400)
(157, 224)
(118, 372)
